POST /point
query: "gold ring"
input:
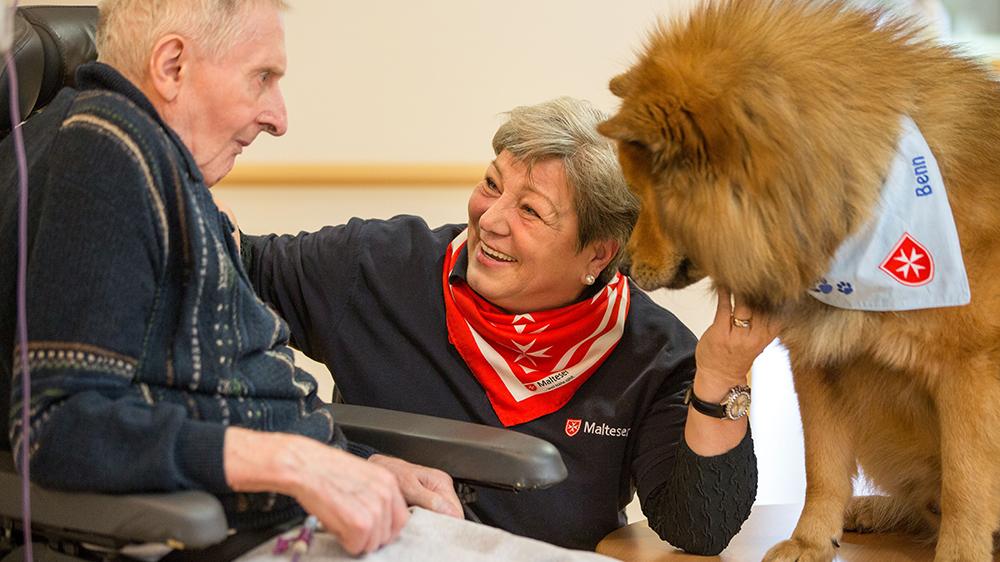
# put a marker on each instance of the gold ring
(741, 323)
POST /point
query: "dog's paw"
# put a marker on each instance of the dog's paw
(798, 550)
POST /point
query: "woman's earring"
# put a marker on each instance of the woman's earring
(589, 279)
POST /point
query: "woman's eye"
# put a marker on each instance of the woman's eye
(492, 185)
(528, 209)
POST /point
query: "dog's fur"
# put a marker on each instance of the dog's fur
(757, 134)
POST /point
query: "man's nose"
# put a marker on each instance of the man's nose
(274, 119)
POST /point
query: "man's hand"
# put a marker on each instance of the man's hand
(358, 502)
(424, 487)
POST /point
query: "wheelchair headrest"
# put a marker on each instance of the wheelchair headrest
(50, 42)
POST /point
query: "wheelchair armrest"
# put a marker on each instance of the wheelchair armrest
(189, 519)
(472, 453)
(469, 452)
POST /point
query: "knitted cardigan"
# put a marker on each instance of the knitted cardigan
(146, 339)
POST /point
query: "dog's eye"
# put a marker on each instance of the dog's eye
(636, 145)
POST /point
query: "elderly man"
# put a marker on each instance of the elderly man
(153, 365)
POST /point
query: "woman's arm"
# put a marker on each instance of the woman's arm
(306, 278)
(724, 356)
(713, 483)
(706, 499)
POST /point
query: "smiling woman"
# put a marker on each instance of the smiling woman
(523, 246)
(522, 319)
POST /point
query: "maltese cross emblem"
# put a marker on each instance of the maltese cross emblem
(909, 262)
(572, 427)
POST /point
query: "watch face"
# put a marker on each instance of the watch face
(738, 404)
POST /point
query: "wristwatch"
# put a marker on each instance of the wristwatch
(733, 407)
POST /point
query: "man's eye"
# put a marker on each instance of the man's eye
(492, 185)
(531, 211)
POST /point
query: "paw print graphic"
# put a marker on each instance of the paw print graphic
(823, 287)
(845, 287)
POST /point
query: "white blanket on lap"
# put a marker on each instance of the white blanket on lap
(430, 537)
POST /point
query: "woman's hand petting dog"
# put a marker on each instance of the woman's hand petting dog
(728, 348)
(724, 356)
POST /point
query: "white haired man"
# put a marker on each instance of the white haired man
(154, 367)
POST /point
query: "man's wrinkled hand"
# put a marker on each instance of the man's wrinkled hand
(358, 502)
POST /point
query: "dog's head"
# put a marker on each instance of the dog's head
(756, 136)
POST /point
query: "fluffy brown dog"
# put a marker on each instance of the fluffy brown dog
(758, 135)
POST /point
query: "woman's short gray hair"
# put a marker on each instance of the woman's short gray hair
(566, 128)
(128, 29)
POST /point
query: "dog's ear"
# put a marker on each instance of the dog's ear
(619, 85)
(637, 139)
(674, 131)
(676, 107)
(624, 127)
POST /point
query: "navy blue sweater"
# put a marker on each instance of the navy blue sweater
(146, 339)
(366, 299)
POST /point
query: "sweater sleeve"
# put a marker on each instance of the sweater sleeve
(306, 278)
(695, 503)
(99, 241)
(706, 500)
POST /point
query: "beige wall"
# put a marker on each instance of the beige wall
(396, 80)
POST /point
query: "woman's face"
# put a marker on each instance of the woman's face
(523, 232)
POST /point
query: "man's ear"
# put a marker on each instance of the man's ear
(167, 65)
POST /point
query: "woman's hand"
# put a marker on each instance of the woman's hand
(422, 486)
(723, 358)
(728, 348)
(232, 218)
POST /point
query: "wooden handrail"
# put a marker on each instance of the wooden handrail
(394, 174)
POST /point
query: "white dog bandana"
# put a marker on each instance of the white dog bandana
(908, 256)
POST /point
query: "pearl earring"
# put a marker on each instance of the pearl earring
(589, 279)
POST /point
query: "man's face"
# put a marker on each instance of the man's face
(228, 99)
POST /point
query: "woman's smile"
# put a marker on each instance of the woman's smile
(493, 254)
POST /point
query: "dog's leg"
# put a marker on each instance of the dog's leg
(830, 464)
(966, 403)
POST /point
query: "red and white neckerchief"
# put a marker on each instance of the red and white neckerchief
(531, 364)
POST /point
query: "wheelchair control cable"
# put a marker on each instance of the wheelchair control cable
(6, 37)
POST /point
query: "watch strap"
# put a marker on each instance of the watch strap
(707, 408)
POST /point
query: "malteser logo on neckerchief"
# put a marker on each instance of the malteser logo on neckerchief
(909, 262)
(572, 427)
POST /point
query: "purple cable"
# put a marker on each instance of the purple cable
(22, 316)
